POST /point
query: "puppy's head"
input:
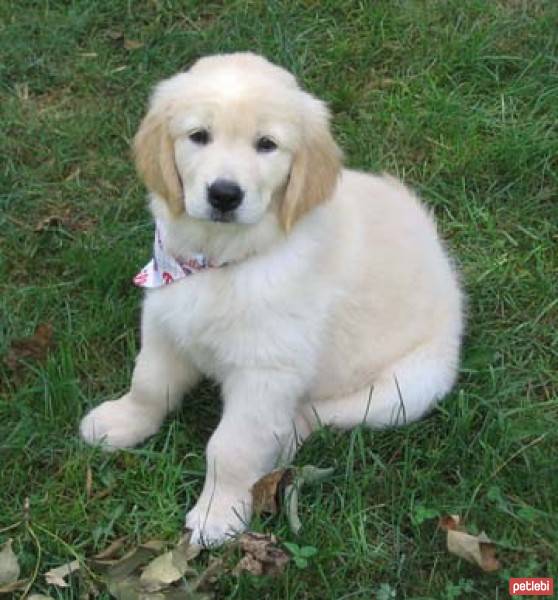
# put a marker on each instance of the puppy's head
(235, 139)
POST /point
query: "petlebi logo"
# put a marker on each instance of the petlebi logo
(531, 586)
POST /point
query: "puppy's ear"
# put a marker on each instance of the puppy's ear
(315, 169)
(154, 156)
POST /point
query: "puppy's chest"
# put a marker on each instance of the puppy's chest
(222, 327)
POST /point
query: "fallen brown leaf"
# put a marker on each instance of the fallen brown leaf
(9, 565)
(101, 494)
(53, 220)
(166, 569)
(15, 586)
(282, 488)
(113, 34)
(267, 492)
(89, 482)
(111, 549)
(448, 522)
(132, 44)
(190, 550)
(74, 174)
(88, 586)
(215, 567)
(34, 347)
(476, 549)
(249, 564)
(134, 559)
(56, 576)
(22, 91)
(66, 218)
(165, 576)
(124, 589)
(130, 589)
(263, 549)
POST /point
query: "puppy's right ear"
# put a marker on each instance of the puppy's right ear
(154, 156)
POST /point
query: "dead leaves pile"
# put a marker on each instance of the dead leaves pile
(144, 573)
(262, 555)
(152, 571)
(155, 571)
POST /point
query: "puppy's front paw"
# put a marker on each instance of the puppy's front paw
(118, 424)
(214, 522)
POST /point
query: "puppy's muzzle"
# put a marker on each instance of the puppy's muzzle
(224, 196)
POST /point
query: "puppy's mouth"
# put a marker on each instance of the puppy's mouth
(219, 216)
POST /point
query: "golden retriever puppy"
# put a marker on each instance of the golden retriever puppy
(314, 295)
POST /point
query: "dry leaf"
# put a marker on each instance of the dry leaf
(15, 586)
(261, 548)
(166, 569)
(291, 501)
(249, 564)
(215, 567)
(132, 44)
(282, 487)
(56, 576)
(22, 91)
(133, 559)
(124, 589)
(476, 549)
(88, 589)
(39, 597)
(449, 522)
(113, 34)
(312, 475)
(66, 218)
(89, 482)
(190, 550)
(268, 491)
(9, 566)
(53, 220)
(163, 577)
(101, 494)
(131, 589)
(112, 548)
(154, 545)
(33, 347)
(74, 174)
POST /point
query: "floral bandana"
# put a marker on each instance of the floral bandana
(163, 268)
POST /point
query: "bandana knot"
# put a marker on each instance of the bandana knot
(164, 269)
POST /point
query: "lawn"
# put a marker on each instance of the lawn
(459, 99)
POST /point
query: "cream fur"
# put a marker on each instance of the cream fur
(338, 285)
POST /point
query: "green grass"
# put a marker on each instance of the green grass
(460, 99)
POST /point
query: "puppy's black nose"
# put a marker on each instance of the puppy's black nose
(225, 195)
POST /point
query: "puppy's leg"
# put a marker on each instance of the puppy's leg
(161, 378)
(256, 431)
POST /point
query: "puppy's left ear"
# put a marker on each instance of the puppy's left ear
(315, 169)
(154, 156)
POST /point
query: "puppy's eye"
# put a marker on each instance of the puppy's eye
(201, 137)
(265, 144)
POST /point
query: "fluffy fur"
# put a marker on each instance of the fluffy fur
(338, 306)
